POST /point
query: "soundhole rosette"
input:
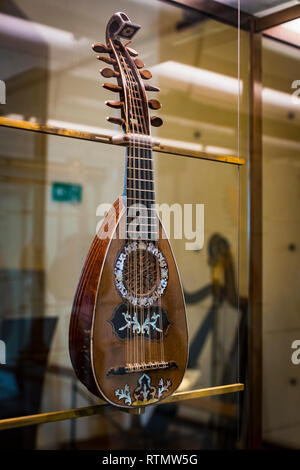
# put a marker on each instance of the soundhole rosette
(141, 273)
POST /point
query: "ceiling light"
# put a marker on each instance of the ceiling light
(293, 25)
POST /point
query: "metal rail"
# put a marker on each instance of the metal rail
(108, 139)
(177, 397)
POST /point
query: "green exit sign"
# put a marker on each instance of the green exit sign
(66, 192)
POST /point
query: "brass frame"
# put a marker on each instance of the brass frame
(229, 15)
(276, 19)
(255, 241)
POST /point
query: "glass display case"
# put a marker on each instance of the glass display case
(59, 163)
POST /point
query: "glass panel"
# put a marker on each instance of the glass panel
(281, 230)
(51, 188)
(52, 75)
(208, 264)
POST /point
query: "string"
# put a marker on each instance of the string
(141, 190)
(139, 196)
(161, 339)
(129, 329)
(134, 196)
(131, 171)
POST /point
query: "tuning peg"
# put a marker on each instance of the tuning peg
(108, 73)
(146, 74)
(156, 121)
(132, 52)
(99, 47)
(112, 87)
(108, 60)
(151, 88)
(114, 104)
(154, 104)
(139, 63)
(116, 120)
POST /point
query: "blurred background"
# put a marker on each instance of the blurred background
(51, 187)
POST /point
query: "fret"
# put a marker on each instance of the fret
(133, 97)
(137, 195)
(143, 217)
(142, 175)
(141, 231)
(133, 217)
(139, 170)
(136, 111)
(138, 232)
(130, 174)
(137, 106)
(133, 91)
(139, 167)
(142, 169)
(141, 199)
(149, 227)
(138, 147)
(145, 203)
(138, 224)
(138, 173)
(138, 154)
(143, 187)
(139, 179)
(132, 83)
(141, 158)
(133, 87)
(137, 189)
(134, 119)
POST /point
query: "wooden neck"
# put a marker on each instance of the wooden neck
(139, 192)
(139, 184)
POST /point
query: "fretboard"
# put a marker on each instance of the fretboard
(139, 191)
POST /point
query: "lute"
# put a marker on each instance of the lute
(128, 332)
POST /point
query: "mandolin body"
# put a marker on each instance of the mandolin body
(103, 337)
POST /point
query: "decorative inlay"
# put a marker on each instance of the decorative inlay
(124, 393)
(144, 393)
(143, 328)
(150, 322)
(141, 273)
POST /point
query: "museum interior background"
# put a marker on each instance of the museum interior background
(52, 77)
